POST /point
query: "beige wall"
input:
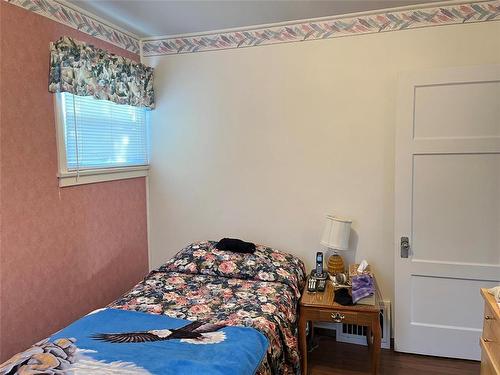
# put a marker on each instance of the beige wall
(260, 143)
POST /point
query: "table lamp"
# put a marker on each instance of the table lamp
(336, 237)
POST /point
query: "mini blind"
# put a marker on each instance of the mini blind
(101, 134)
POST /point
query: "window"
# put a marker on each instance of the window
(99, 140)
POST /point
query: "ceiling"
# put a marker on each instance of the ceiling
(146, 18)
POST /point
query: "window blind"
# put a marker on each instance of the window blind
(101, 134)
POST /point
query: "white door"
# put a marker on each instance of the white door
(448, 205)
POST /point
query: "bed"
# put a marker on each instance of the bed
(204, 295)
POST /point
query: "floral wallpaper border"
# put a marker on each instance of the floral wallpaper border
(325, 28)
(417, 17)
(73, 18)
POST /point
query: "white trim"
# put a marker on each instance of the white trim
(445, 326)
(101, 175)
(105, 171)
(60, 136)
(148, 221)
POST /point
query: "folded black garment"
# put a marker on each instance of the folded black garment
(236, 246)
(343, 297)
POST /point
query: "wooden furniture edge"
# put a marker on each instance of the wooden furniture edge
(334, 305)
(490, 300)
(489, 354)
(353, 308)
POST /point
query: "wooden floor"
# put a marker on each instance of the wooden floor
(331, 358)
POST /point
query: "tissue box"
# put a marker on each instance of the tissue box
(353, 271)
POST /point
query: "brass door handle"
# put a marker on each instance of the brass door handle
(486, 340)
(488, 317)
(337, 317)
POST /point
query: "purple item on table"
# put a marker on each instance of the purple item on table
(362, 286)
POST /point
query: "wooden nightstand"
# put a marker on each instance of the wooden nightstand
(319, 307)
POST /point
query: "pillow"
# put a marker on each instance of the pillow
(236, 246)
(265, 264)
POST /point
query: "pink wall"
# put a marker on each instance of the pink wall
(64, 252)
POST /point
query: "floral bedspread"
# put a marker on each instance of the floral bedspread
(259, 290)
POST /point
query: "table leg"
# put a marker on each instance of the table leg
(369, 337)
(303, 344)
(310, 344)
(377, 338)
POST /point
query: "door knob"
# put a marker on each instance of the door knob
(405, 247)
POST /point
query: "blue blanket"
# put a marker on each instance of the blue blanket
(128, 342)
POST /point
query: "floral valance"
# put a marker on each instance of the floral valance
(85, 70)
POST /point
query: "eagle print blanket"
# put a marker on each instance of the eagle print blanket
(215, 289)
(113, 341)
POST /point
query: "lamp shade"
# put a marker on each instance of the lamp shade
(336, 233)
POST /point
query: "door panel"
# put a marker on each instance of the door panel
(448, 203)
(458, 108)
(448, 294)
(456, 208)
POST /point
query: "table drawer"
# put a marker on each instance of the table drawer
(336, 316)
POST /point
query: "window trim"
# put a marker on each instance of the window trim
(86, 176)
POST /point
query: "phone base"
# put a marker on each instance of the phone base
(317, 282)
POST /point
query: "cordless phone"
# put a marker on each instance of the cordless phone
(319, 263)
(317, 279)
